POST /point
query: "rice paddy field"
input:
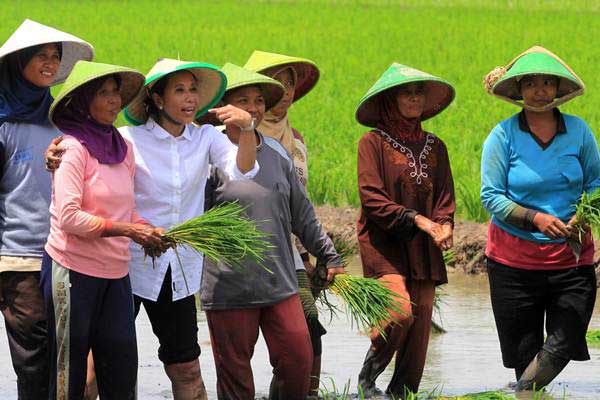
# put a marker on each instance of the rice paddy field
(353, 42)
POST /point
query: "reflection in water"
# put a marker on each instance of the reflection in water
(466, 359)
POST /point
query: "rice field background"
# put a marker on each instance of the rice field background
(353, 42)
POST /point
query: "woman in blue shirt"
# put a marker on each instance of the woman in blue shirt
(534, 168)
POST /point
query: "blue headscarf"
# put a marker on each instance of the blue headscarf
(21, 100)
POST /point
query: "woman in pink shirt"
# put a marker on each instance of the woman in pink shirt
(84, 271)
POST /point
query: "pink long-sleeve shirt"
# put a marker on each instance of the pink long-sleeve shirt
(85, 195)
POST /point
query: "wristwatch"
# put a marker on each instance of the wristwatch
(251, 127)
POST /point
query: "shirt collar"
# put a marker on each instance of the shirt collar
(160, 133)
(560, 122)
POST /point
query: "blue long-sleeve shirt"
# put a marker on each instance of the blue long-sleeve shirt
(516, 170)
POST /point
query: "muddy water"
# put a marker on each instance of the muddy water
(466, 359)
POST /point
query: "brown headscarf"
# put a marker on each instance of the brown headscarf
(394, 123)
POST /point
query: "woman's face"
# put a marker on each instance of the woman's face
(107, 102)
(411, 100)
(286, 78)
(43, 66)
(538, 90)
(181, 97)
(249, 99)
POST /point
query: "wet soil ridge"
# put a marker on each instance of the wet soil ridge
(469, 238)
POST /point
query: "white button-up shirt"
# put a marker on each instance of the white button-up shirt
(170, 178)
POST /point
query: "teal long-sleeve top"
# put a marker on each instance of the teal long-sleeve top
(516, 169)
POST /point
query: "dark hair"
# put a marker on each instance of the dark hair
(158, 88)
(530, 76)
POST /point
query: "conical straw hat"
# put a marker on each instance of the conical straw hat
(307, 73)
(439, 93)
(211, 80)
(31, 33)
(238, 77)
(502, 82)
(85, 71)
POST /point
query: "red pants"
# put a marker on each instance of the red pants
(408, 336)
(234, 333)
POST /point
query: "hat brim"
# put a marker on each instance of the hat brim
(131, 83)
(439, 95)
(307, 76)
(212, 83)
(271, 93)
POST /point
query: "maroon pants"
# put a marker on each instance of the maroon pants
(233, 335)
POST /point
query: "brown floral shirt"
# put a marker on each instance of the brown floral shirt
(396, 181)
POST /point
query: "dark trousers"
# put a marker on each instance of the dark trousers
(86, 312)
(233, 334)
(522, 299)
(174, 323)
(22, 306)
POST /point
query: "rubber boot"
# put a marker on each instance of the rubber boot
(368, 375)
(541, 371)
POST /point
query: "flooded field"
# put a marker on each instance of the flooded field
(465, 359)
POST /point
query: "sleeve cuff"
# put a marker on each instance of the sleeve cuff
(237, 174)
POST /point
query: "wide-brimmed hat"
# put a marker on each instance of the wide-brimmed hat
(212, 83)
(307, 73)
(439, 93)
(31, 33)
(238, 77)
(85, 71)
(502, 82)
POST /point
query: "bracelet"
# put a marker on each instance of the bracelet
(251, 127)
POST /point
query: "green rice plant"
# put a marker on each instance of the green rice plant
(587, 211)
(220, 234)
(593, 337)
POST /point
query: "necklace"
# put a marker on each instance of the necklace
(419, 167)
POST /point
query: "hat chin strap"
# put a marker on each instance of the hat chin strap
(166, 115)
(557, 102)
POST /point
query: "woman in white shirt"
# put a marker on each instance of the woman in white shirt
(172, 158)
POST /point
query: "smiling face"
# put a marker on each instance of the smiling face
(43, 66)
(107, 102)
(181, 98)
(249, 99)
(286, 78)
(411, 100)
(538, 90)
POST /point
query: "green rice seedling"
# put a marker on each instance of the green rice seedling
(587, 211)
(593, 337)
(221, 234)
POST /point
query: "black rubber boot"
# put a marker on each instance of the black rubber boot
(541, 371)
(368, 375)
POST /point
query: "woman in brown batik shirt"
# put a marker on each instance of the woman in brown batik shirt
(407, 211)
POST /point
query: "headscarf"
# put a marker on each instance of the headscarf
(21, 100)
(279, 128)
(394, 123)
(104, 142)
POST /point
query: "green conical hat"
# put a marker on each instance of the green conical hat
(86, 71)
(211, 80)
(502, 82)
(439, 93)
(306, 71)
(238, 77)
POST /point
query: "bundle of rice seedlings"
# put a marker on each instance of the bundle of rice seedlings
(220, 234)
(587, 211)
(368, 302)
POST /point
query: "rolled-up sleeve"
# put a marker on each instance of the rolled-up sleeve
(494, 175)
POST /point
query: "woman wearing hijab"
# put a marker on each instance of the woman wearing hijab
(406, 221)
(172, 158)
(34, 58)
(298, 77)
(238, 304)
(535, 167)
(84, 271)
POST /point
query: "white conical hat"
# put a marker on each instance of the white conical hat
(31, 33)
